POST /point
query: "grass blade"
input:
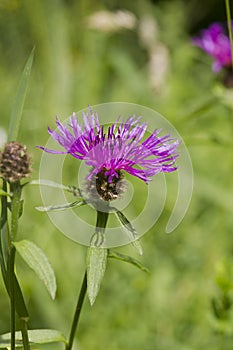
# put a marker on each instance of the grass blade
(19, 100)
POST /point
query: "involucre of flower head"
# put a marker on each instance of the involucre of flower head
(216, 43)
(116, 149)
(14, 162)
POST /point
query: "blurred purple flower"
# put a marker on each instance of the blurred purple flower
(216, 43)
(119, 147)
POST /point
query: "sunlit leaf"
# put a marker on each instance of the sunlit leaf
(72, 189)
(96, 266)
(36, 336)
(130, 230)
(60, 207)
(38, 261)
(128, 259)
(3, 193)
(19, 100)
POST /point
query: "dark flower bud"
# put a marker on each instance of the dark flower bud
(14, 162)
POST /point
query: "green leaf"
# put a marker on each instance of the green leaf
(60, 207)
(72, 189)
(129, 229)
(136, 244)
(4, 245)
(20, 305)
(19, 100)
(3, 193)
(96, 266)
(128, 259)
(38, 261)
(36, 336)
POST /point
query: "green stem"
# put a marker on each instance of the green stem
(4, 205)
(77, 313)
(102, 218)
(101, 222)
(3, 221)
(24, 331)
(228, 12)
(15, 205)
(15, 209)
(15, 213)
(12, 294)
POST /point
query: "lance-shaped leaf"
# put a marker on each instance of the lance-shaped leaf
(96, 266)
(60, 207)
(38, 261)
(36, 336)
(128, 259)
(19, 100)
(20, 305)
(129, 229)
(72, 189)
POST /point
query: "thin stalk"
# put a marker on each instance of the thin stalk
(101, 222)
(102, 218)
(24, 331)
(15, 212)
(12, 295)
(228, 12)
(3, 221)
(77, 313)
(15, 209)
(4, 205)
(15, 205)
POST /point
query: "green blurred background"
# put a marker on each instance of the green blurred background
(142, 55)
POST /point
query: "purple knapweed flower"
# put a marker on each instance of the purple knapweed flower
(117, 148)
(216, 43)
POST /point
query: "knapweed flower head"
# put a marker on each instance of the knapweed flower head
(215, 42)
(111, 151)
(14, 162)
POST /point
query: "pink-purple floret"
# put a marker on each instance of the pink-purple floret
(120, 148)
(216, 43)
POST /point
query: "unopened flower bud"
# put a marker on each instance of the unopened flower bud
(14, 162)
